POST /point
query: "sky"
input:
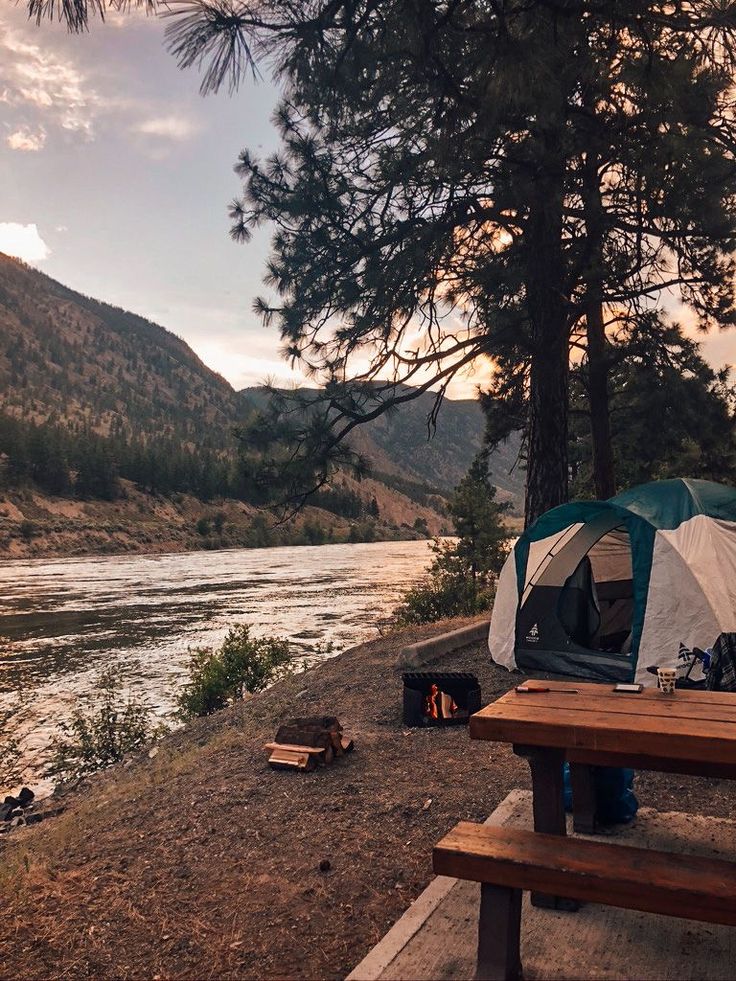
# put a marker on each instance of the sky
(115, 179)
(116, 175)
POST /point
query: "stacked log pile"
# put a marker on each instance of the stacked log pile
(305, 743)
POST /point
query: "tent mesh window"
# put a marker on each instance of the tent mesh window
(610, 560)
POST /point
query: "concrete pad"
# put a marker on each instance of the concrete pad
(437, 936)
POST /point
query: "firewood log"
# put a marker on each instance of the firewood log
(295, 748)
(303, 736)
(282, 759)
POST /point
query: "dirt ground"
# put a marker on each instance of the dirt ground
(203, 862)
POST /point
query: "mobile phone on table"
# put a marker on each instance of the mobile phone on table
(630, 689)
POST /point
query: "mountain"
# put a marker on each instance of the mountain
(399, 444)
(91, 365)
(106, 374)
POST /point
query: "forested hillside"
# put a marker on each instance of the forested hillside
(89, 391)
(100, 405)
(99, 368)
(400, 445)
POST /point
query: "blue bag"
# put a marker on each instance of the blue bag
(615, 801)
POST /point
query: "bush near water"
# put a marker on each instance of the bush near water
(102, 733)
(218, 678)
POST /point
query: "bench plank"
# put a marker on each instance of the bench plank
(687, 886)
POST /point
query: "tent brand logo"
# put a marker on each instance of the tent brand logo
(533, 635)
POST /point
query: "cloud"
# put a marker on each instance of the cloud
(23, 242)
(135, 16)
(26, 139)
(173, 127)
(38, 78)
(47, 89)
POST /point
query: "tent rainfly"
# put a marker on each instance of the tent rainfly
(604, 589)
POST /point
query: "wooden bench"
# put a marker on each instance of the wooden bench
(507, 860)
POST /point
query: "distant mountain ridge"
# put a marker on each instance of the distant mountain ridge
(89, 365)
(400, 444)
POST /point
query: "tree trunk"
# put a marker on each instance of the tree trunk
(604, 473)
(545, 275)
(604, 476)
(547, 449)
(547, 466)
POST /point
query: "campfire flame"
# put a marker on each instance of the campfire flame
(439, 705)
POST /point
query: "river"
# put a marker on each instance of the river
(62, 621)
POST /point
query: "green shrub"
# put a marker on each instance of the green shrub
(218, 678)
(259, 534)
(203, 527)
(443, 595)
(27, 530)
(364, 531)
(313, 533)
(103, 733)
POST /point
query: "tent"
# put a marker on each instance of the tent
(604, 589)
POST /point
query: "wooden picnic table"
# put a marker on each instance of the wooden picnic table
(587, 725)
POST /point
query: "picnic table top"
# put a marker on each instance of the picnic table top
(594, 719)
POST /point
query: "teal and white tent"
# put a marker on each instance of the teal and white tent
(604, 589)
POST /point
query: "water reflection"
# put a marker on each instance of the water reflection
(63, 620)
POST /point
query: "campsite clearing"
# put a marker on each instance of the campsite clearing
(203, 861)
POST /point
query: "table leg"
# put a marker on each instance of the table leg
(548, 802)
(583, 798)
(499, 934)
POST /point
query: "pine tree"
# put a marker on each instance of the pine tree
(97, 473)
(671, 415)
(461, 579)
(477, 518)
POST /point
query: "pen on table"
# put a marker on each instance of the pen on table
(534, 689)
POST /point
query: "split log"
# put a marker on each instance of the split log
(347, 744)
(282, 759)
(296, 748)
(316, 730)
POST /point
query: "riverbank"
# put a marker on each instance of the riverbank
(34, 525)
(202, 861)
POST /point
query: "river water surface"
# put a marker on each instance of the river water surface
(62, 621)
